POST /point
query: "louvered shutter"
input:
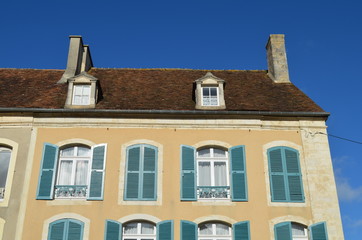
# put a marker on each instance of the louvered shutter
(133, 170)
(47, 172)
(113, 230)
(283, 231)
(149, 172)
(75, 230)
(96, 182)
(294, 175)
(165, 230)
(188, 230)
(241, 231)
(276, 173)
(319, 231)
(238, 174)
(188, 173)
(57, 230)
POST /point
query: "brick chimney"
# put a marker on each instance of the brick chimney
(277, 59)
(79, 58)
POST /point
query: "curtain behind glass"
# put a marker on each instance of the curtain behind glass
(220, 174)
(81, 173)
(204, 174)
(130, 228)
(222, 229)
(147, 228)
(65, 172)
(4, 166)
(206, 229)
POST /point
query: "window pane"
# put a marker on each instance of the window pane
(219, 153)
(85, 100)
(65, 172)
(222, 229)
(220, 174)
(204, 152)
(147, 228)
(298, 229)
(204, 174)
(4, 166)
(205, 91)
(205, 229)
(81, 173)
(86, 90)
(213, 101)
(130, 228)
(83, 152)
(213, 92)
(67, 152)
(78, 90)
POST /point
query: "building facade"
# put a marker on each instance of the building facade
(123, 154)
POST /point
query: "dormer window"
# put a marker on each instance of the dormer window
(210, 96)
(81, 94)
(82, 91)
(209, 92)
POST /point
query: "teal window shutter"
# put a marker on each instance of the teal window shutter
(319, 231)
(188, 173)
(188, 230)
(283, 231)
(241, 231)
(113, 230)
(97, 171)
(285, 175)
(66, 229)
(57, 230)
(141, 173)
(47, 172)
(75, 230)
(238, 174)
(165, 230)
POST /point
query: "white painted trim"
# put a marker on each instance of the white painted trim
(122, 172)
(7, 143)
(139, 217)
(282, 143)
(85, 220)
(287, 218)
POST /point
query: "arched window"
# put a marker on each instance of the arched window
(214, 231)
(5, 154)
(139, 231)
(291, 231)
(73, 172)
(76, 171)
(66, 229)
(212, 173)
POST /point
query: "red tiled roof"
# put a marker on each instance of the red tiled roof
(153, 89)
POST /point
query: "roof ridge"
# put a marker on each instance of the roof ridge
(188, 69)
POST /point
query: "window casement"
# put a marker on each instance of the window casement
(297, 231)
(285, 176)
(138, 230)
(82, 91)
(209, 93)
(81, 94)
(73, 172)
(66, 229)
(214, 231)
(5, 155)
(212, 173)
(141, 173)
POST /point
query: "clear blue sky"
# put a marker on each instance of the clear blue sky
(323, 40)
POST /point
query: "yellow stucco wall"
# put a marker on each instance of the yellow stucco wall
(261, 213)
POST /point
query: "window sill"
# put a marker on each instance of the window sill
(69, 201)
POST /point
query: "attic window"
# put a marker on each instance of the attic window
(81, 94)
(210, 96)
(209, 93)
(82, 91)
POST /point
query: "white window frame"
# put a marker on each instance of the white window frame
(138, 235)
(3, 190)
(74, 160)
(212, 160)
(299, 237)
(213, 236)
(82, 95)
(209, 97)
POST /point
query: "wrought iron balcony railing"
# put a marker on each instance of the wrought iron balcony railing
(71, 191)
(2, 193)
(208, 192)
